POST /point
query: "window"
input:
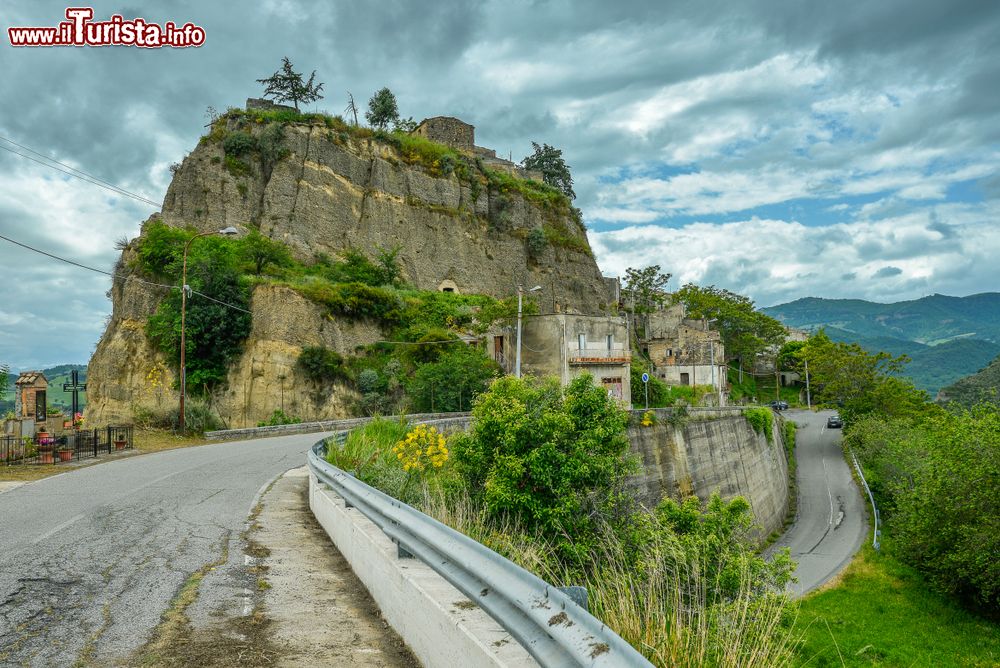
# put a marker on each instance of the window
(611, 341)
(581, 341)
(685, 379)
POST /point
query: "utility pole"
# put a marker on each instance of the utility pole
(808, 396)
(517, 354)
(228, 231)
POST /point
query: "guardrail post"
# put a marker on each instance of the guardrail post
(576, 594)
(401, 552)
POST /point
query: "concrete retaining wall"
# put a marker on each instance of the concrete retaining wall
(439, 623)
(712, 450)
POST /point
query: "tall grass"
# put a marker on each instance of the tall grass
(658, 597)
(661, 603)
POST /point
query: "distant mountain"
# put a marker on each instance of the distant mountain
(56, 376)
(928, 320)
(981, 386)
(947, 338)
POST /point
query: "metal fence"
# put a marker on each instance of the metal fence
(49, 449)
(547, 622)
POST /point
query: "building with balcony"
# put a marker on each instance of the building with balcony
(568, 345)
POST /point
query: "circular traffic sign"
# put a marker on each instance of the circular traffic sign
(645, 377)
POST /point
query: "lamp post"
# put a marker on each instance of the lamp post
(711, 350)
(517, 353)
(228, 231)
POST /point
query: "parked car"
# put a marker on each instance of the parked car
(834, 422)
(779, 405)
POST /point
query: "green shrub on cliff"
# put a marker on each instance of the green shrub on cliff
(761, 419)
(214, 332)
(322, 365)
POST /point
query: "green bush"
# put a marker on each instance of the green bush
(238, 144)
(370, 381)
(160, 248)
(214, 332)
(322, 365)
(452, 382)
(352, 300)
(270, 144)
(936, 481)
(237, 167)
(761, 419)
(550, 457)
(722, 531)
(659, 392)
(537, 243)
(278, 417)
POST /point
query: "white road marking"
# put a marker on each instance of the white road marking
(57, 529)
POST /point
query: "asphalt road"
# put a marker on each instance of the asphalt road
(89, 560)
(831, 523)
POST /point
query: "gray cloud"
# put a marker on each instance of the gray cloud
(763, 102)
(887, 272)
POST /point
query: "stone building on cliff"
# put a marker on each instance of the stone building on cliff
(684, 351)
(568, 345)
(461, 136)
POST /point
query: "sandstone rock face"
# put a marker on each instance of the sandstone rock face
(330, 192)
(333, 192)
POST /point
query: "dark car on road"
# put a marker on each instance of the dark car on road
(834, 422)
(779, 405)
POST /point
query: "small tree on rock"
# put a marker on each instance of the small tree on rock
(287, 85)
(260, 251)
(555, 172)
(382, 109)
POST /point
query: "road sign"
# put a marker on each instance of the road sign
(645, 377)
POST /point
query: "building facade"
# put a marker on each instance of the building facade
(684, 351)
(568, 345)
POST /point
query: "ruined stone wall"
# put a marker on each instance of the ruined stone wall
(449, 131)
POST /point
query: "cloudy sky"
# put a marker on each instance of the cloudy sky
(778, 149)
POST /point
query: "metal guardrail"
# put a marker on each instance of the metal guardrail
(877, 532)
(548, 624)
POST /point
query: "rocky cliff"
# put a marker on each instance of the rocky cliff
(322, 189)
(335, 190)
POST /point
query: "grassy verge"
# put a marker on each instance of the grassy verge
(881, 613)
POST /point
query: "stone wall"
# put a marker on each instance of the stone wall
(712, 450)
(449, 131)
(266, 105)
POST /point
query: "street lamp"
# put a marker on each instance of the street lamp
(228, 231)
(711, 350)
(517, 355)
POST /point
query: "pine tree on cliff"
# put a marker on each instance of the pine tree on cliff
(382, 109)
(287, 85)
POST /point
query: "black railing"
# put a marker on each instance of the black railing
(47, 449)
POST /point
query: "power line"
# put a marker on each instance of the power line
(112, 274)
(74, 172)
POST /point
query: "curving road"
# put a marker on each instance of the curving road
(831, 523)
(89, 560)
